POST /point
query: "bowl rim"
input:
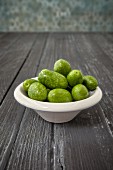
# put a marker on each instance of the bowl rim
(20, 96)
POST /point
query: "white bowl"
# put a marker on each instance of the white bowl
(57, 112)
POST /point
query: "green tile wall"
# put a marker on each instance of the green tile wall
(56, 15)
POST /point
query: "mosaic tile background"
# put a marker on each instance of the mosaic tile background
(56, 15)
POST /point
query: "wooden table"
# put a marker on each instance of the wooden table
(27, 142)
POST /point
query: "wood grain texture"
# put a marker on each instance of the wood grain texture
(102, 64)
(85, 143)
(2, 34)
(33, 148)
(11, 112)
(6, 40)
(104, 53)
(12, 62)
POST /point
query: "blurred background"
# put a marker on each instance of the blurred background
(56, 15)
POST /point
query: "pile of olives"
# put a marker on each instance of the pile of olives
(61, 85)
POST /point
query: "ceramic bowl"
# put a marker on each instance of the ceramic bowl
(57, 112)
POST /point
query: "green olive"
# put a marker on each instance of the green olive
(90, 82)
(59, 96)
(62, 66)
(37, 91)
(75, 77)
(52, 79)
(27, 83)
(79, 92)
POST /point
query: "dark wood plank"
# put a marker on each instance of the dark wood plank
(2, 34)
(33, 147)
(104, 52)
(85, 142)
(102, 66)
(13, 61)
(11, 112)
(105, 44)
(109, 37)
(6, 41)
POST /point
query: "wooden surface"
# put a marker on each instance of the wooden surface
(27, 142)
